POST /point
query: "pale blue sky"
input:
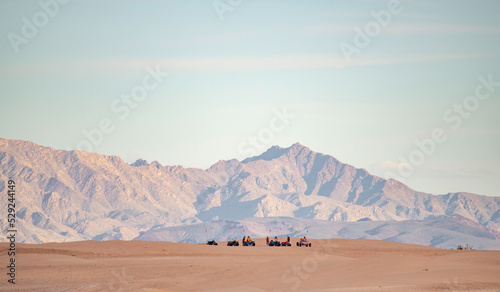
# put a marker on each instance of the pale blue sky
(227, 78)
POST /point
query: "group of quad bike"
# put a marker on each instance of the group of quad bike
(247, 242)
(302, 242)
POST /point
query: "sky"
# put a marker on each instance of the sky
(404, 89)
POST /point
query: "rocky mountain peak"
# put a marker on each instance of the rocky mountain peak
(276, 151)
(226, 165)
(139, 162)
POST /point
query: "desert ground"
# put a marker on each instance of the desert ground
(329, 265)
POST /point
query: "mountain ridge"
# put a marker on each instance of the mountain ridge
(76, 195)
(443, 233)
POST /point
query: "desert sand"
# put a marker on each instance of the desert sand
(329, 265)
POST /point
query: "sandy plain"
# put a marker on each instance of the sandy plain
(329, 265)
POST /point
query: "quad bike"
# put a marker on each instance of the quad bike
(303, 243)
(212, 242)
(233, 243)
(249, 243)
(274, 243)
(286, 243)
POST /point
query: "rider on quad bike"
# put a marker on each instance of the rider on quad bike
(303, 242)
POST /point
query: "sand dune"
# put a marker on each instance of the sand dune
(329, 265)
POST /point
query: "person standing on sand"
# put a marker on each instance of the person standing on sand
(267, 240)
(288, 239)
(243, 241)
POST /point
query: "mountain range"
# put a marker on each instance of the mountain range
(76, 195)
(447, 232)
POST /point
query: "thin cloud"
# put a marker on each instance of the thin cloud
(224, 64)
(442, 29)
(340, 120)
(414, 29)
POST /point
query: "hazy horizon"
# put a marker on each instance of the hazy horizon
(403, 89)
